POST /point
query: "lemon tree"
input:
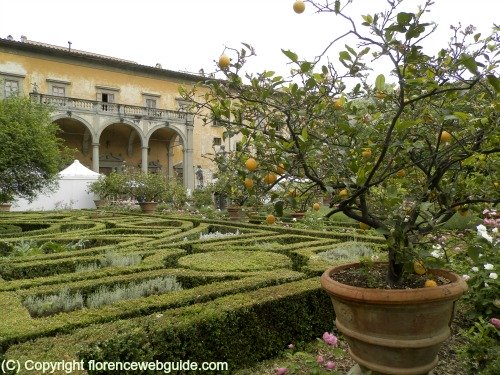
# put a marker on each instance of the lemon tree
(396, 152)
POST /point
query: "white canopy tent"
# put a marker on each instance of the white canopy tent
(71, 194)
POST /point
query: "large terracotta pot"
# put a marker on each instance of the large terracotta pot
(396, 331)
(234, 212)
(5, 207)
(148, 207)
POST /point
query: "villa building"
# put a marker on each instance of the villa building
(114, 112)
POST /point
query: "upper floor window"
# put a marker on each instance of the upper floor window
(151, 103)
(10, 84)
(58, 91)
(57, 87)
(107, 95)
(11, 88)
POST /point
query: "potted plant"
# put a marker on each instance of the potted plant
(229, 183)
(107, 187)
(147, 188)
(5, 201)
(400, 151)
(100, 191)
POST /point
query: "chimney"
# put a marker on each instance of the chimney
(24, 38)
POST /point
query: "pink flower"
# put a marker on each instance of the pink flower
(281, 370)
(495, 322)
(330, 339)
(330, 365)
(320, 359)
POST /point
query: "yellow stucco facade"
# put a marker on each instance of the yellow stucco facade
(113, 112)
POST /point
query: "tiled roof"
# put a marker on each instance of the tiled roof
(46, 48)
(76, 51)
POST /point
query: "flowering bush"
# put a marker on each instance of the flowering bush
(321, 362)
(481, 354)
(484, 260)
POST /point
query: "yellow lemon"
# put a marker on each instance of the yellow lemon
(430, 284)
(270, 219)
(251, 164)
(224, 61)
(248, 183)
(445, 136)
(418, 267)
(344, 193)
(270, 178)
(299, 6)
(367, 152)
(401, 173)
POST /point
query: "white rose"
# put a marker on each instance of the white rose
(475, 269)
(465, 277)
(486, 236)
(436, 254)
(488, 266)
(481, 228)
(493, 276)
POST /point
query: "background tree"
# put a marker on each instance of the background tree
(399, 157)
(31, 155)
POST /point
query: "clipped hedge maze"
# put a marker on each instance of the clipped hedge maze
(123, 286)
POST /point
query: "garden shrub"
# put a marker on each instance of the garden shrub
(244, 286)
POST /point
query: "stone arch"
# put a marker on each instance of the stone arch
(77, 134)
(107, 124)
(115, 147)
(160, 142)
(185, 134)
(84, 122)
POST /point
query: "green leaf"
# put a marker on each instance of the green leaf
(351, 50)
(469, 63)
(380, 82)
(291, 55)
(415, 31)
(494, 81)
(462, 115)
(368, 19)
(305, 67)
(305, 135)
(404, 18)
(344, 55)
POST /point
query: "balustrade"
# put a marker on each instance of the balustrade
(106, 108)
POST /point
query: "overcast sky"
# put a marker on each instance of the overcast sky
(187, 35)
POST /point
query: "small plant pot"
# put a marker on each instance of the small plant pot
(148, 207)
(99, 203)
(298, 215)
(5, 207)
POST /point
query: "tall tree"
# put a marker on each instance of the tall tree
(31, 154)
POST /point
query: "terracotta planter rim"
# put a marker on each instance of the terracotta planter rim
(451, 291)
